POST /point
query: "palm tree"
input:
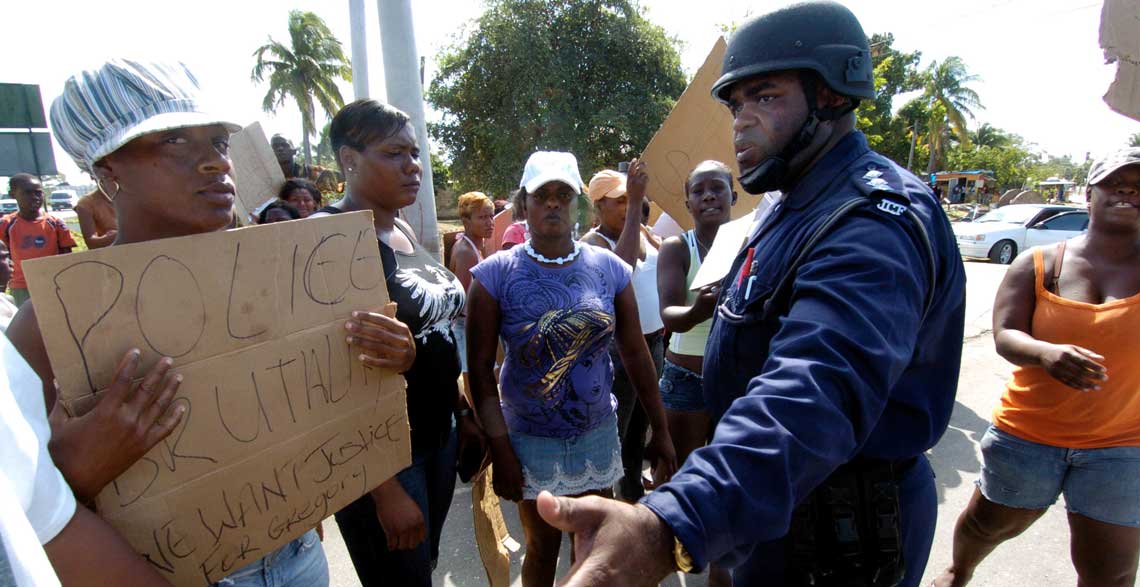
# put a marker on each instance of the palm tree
(306, 71)
(949, 103)
(988, 135)
(1134, 140)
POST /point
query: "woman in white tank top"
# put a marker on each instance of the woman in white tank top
(477, 212)
(688, 314)
(617, 201)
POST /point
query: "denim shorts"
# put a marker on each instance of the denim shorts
(300, 563)
(570, 466)
(1098, 483)
(681, 389)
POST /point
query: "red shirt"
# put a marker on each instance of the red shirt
(31, 239)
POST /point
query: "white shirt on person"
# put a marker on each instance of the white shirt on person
(35, 500)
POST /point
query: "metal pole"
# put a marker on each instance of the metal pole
(913, 140)
(31, 135)
(405, 91)
(359, 49)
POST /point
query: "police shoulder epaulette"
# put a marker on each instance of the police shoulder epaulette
(880, 181)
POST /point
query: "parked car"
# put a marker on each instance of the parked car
(62, 200)
(1002, 233)
(7, 206)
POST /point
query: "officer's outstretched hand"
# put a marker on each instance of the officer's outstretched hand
(615, 543)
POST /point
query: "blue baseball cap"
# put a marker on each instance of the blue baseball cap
(103, 109)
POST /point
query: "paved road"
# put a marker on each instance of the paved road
(1039, 557)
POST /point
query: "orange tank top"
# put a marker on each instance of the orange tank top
(1041, 409)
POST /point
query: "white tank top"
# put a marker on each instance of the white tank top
(644, 286)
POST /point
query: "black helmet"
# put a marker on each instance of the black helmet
(821, 36)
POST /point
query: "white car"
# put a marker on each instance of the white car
(1002, 233)
(8, 205)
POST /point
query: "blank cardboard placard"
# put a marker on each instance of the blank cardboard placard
(283, 425)
(256, 173)
(697, 129)
(1120, 39)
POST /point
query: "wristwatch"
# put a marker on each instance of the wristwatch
(681, 557)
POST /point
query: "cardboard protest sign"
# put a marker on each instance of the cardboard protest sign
(283, 425)
(718, 261)
(256, 173)
(697, 129)
(492, 538)
(1120, 40)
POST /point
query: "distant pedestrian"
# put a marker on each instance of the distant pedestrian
(31, 233)
(286, 153)
(477, 213)
(277, 211)
(302, 195)
(1069, 421)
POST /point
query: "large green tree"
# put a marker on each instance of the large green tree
(949, 103)
(896, 72)
(592, 77)
(305, 71)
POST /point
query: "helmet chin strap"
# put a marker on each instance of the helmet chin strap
(772, 173)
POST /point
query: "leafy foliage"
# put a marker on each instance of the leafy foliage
(305, 71)
(592, 77)
(949, 102)
(895, 72)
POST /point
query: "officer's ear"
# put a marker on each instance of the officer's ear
(828, 99)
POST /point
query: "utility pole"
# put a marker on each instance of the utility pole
(359, 49)
(913, 140)
(406, 92)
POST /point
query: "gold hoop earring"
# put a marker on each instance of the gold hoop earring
(110, 197)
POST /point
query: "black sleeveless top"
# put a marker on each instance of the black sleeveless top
(428, 298)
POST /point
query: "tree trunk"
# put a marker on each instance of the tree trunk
(933, 156)
(306, 147)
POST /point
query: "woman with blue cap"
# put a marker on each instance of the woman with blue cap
(140, 129)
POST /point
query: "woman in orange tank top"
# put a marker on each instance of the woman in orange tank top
(1069, 421)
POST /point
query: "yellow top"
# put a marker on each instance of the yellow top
(691, 342)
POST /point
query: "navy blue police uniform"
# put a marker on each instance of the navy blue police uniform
(860, 360)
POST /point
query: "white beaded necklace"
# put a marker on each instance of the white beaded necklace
(559, 261)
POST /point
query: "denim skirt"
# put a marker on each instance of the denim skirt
(570, 466)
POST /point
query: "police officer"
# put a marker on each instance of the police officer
(834, 353)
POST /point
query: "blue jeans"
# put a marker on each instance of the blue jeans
(681, 389)
(430, 482)
(300, 563)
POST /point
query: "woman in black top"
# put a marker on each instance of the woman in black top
(393, 533)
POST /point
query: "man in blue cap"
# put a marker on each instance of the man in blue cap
(833, 361)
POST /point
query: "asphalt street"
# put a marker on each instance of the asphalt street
(1039, 557)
